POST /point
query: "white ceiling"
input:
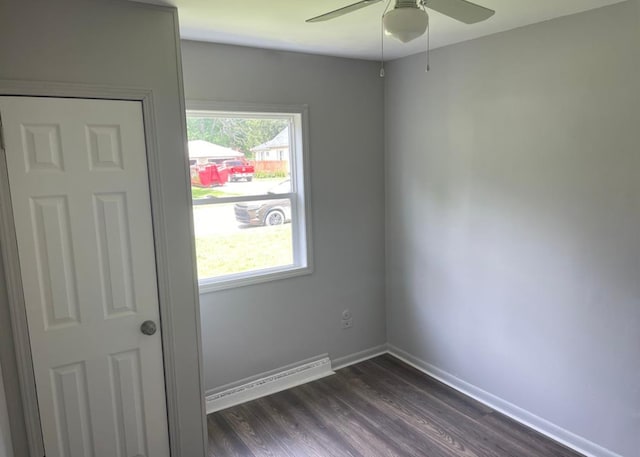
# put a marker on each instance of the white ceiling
(280, 24)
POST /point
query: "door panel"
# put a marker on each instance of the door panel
(71, 404)
(55, 264)
(80, 198)
(114, 253)
(127, 395)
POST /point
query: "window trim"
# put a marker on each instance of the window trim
(300, 195)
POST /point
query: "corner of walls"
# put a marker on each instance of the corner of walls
(387, 296)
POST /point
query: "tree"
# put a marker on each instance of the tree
(240, 134)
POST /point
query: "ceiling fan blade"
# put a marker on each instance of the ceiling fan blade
(461, 10)
(343, 10)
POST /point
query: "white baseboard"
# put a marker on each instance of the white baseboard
(352, 359)
(268, 383)
(539, 424)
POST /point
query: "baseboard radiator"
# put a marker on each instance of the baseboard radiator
(269, 383)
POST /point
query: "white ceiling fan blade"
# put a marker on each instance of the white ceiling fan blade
(461, 10)
(343, 10)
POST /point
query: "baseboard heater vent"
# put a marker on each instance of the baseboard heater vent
(269, 383)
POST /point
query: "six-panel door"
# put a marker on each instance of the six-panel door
(80, 197)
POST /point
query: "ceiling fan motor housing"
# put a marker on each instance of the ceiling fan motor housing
(406, 4)
(406, 21)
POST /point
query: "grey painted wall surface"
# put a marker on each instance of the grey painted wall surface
(250, 330)
(118, 43)
(6, 448)
(513, 218)
(11, 406)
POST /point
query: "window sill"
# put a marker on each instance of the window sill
(248, 279)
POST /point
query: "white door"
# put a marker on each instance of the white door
(80, 197)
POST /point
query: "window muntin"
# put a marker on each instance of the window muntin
(253, 228)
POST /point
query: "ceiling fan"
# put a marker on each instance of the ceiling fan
(408, 20)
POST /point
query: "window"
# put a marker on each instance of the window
(251, 217)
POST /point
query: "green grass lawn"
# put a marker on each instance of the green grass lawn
(207, 192)
(248, 249)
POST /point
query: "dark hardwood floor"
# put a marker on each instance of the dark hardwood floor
(381, 407)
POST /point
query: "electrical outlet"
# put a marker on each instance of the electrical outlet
(347, 323)
(346, 314)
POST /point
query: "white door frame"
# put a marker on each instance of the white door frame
(8, 242)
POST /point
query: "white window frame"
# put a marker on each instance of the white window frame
(300, 194)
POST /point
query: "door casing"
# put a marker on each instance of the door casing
(10, 259)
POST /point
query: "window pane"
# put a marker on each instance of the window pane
(246, 171)
(231, 157)
(237, 238)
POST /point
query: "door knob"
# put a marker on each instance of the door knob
(148, 327)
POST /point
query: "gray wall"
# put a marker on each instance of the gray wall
(116, 43)
(513, 212)
(250, 330)
(10, 404)
(6, 448)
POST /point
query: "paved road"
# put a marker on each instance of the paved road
(211, 219)
(256, 187)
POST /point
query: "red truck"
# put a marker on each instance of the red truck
(239, 169)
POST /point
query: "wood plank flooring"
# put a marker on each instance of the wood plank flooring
(377, 408)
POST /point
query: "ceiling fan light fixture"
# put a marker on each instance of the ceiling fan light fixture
(405, 23)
